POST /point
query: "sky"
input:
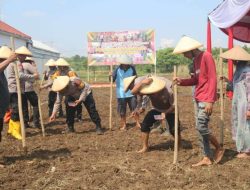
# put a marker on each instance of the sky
(63, 24)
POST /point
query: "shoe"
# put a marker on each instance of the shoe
(10, 129)
(37, 126)
(70, 129)
(99, 131)
(27, 126)
(16, 129)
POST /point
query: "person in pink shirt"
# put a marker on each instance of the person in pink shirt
(205, 83)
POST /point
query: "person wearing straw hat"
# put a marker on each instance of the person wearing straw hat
(30, 94)
(241, 99)
(14, 123)
(205, 82)
(142, 100)
(159, 90)
(70, 87)
(124, 70)
(64, 70)
(49, 77)
(6, 57)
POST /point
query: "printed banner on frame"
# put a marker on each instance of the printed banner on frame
(105, 47)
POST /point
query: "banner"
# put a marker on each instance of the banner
(105, 47)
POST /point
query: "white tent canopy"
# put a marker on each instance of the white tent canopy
(233, 12)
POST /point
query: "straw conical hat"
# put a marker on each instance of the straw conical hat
(50, 63)
(186, 44)
(155, 86)
(124, 59)
(127, 81)
(61, 62)
(23, 51)
(60, 83)
(29, 59)
(5, 52)
(236, 53)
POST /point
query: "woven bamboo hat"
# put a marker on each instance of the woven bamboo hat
(124, 59)
(186, 44)
(127, 81)
(50, 63)
(5, 52)
(61, 62)
(23, 51)
(155, 86)
(236, 53)
(60, 83)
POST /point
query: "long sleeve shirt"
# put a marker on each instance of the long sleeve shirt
(29, 69)
(49, 77)
(204, 78)
(74, 91)
(12, 86)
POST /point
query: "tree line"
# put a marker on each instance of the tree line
(165, 61)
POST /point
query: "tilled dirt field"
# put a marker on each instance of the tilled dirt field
(84, 160)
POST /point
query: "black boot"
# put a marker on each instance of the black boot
(99, 130)
(36, 116)
(60, 114)
(70, 129)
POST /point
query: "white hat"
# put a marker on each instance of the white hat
(236, 53)
(124, 59)
(50, 63)
(186, 44)
(23, 51)
(127, 81)
(61, 62)
(155, 86)
(60, 83)
(5, 52)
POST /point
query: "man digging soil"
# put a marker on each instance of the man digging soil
(160, 93)
(77, 92)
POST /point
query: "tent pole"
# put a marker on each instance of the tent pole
(209, 43)
(230, 62)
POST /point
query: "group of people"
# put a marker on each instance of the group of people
(27, 74)
(132, 90)
(135, 92)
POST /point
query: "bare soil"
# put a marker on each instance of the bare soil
(84, 160)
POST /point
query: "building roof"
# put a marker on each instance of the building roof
(40, 45)
(9, 29)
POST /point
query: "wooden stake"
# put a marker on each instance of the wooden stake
(88, 73)
(19, 95)
(40, 108)
(221, 103)
(176, 121)
(111, 97)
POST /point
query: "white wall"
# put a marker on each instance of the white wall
(42, 56)
(5, 40)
